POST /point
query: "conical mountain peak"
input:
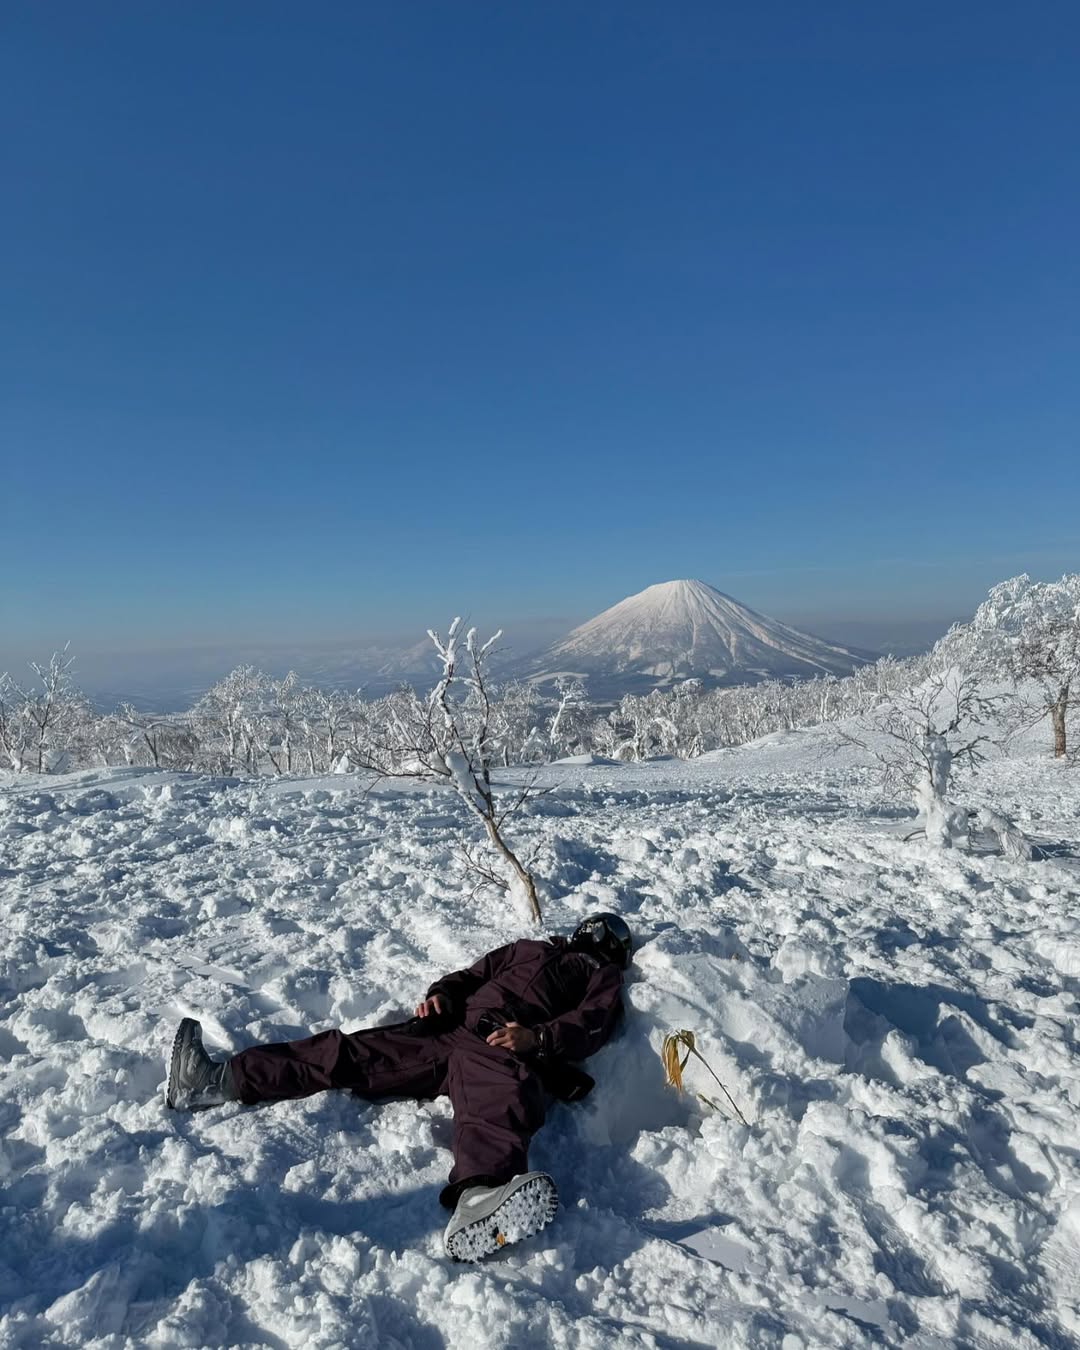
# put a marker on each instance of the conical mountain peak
(675, 630)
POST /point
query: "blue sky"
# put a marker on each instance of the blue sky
(318, 321)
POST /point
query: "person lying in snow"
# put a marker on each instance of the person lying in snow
(495, 1038)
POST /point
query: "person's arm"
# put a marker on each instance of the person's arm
(578, 1034)
(459, 984)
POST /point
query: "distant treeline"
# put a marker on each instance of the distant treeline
(1026, 634)
(252, 723)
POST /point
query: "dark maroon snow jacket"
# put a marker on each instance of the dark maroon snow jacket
(567, 998)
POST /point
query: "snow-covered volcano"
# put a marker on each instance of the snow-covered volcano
(681, 629)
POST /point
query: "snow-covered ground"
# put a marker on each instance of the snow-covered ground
(899, 1028)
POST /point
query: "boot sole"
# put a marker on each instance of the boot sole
(521, 1215)
(183, 1032)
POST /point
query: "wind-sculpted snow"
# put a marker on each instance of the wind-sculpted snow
(897, 1025)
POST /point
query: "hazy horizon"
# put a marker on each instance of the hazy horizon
(170, 677)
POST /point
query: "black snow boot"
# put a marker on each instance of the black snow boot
(195, 1080)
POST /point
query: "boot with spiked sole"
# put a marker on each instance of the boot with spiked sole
(490, 1217)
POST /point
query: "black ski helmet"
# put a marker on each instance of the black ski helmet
(607, 936)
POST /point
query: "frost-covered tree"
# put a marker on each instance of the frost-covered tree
(921, 737)
(43, 724)
(516, 714)
(283, 728)
(570, 718)
(1029, 631)
(162, 739)
(685, 711)
(232, 721)
(637, 720)
(603, 735)
(12, 726)
(450, 738)
(327, 717)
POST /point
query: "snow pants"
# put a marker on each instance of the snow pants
(498, 1099)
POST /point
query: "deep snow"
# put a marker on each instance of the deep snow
(899, 1027)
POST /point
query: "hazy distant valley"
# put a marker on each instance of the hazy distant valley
(171, 678)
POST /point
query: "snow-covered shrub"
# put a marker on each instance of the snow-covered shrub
(327, 719)
(645, 726)
(132, 736)
(233, 722)
(921, 736)
(1012, 843)
(568, 730)
(450, 737)
(517, 716)
(44, 724)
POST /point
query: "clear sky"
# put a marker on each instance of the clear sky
(327, 319)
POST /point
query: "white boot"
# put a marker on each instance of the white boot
(490, 1217)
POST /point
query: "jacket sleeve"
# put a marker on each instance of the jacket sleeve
(461, 983)
(578, 1034)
